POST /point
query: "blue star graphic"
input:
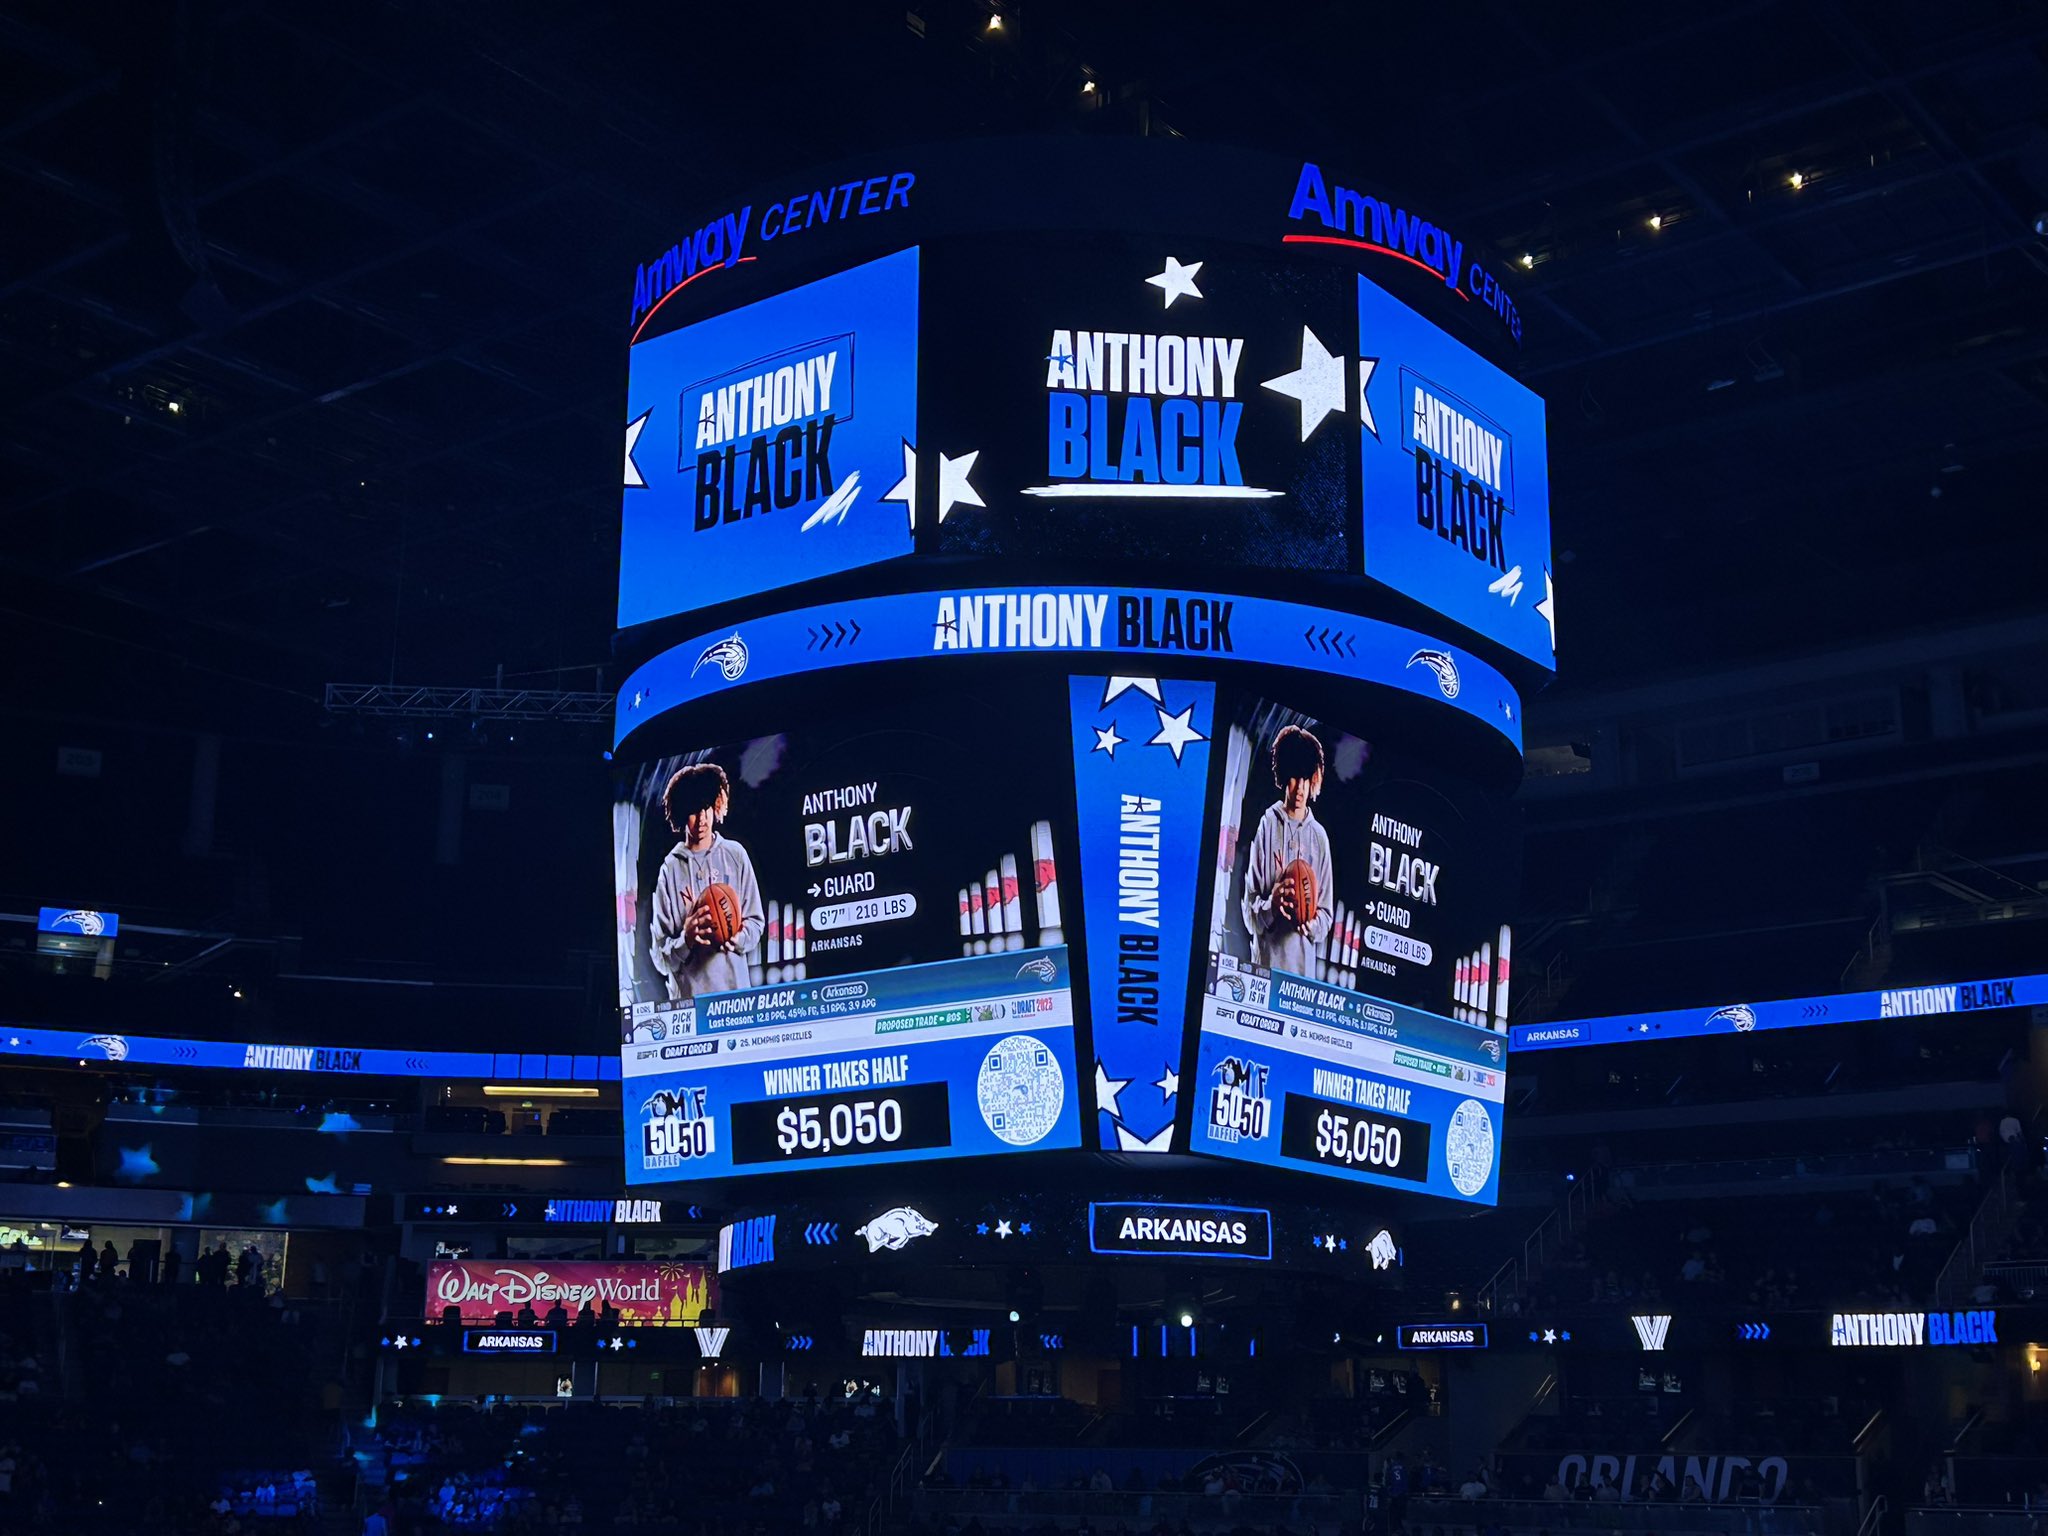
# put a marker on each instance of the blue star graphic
(1064, 359)
(1025, 1229)
(1343, 1244)
(981, 1229)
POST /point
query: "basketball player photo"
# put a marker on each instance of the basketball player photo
(707, 906)
(1287, 873)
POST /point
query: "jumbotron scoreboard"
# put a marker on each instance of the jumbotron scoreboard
(1078, 599)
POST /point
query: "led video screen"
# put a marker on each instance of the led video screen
(1157, 401)
(1354, 1005)
(761, 442)
(844, 945)
(1454, 481)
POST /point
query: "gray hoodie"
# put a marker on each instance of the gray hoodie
(1276, 943)
(684, 877)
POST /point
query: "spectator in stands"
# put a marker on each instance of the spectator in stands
(1554, 1491)
(247, 1266)
(558, 1316)
(1604, 1492)
(88, 1261)
(1474, 1486)
(527, 1316)
(1694, 1493)
(174, 1266)
(139, 1265)
(109, 1261)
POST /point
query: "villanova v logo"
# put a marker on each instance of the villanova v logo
(1653, 1331)
(711, 1341)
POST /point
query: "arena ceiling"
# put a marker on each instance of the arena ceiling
(313, 316)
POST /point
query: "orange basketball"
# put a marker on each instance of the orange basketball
(1299, 879)
(723, 903)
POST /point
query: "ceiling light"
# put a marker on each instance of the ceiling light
(1087, 87)
(1187, 1319)
(1798, 180)
(1656, 221)
(174, 406)
(995, 23)
(1528, 261)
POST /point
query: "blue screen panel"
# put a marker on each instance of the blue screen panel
(1456, 482)
(958, 1058)
(1141, 766)
(760, 443)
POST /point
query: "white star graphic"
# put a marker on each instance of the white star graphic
(1548, 608)
(1318, 383)
(1176, 731)
(905, 490)
(1149, 686)
(1106, 1090)
(1365, 368)
(1330, 1241)
(1168, 1085)
(1106, 739)
(452, 1210)
(617, 1345)
(633, 431)
(1128, 1141)
(1550, 1335)
(1002, 1229)
(1177, 281)
(954, 491)
(399, 1342)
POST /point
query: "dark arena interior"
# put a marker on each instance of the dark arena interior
(1324, 729)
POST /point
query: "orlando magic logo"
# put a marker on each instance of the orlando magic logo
(1239, 1109)
(115, 1046)
(1446, 670)
(728, 655)
(1040, 966)
(80, 920)
(1740, 1015)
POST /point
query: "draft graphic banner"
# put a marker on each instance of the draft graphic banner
(1141, 765)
